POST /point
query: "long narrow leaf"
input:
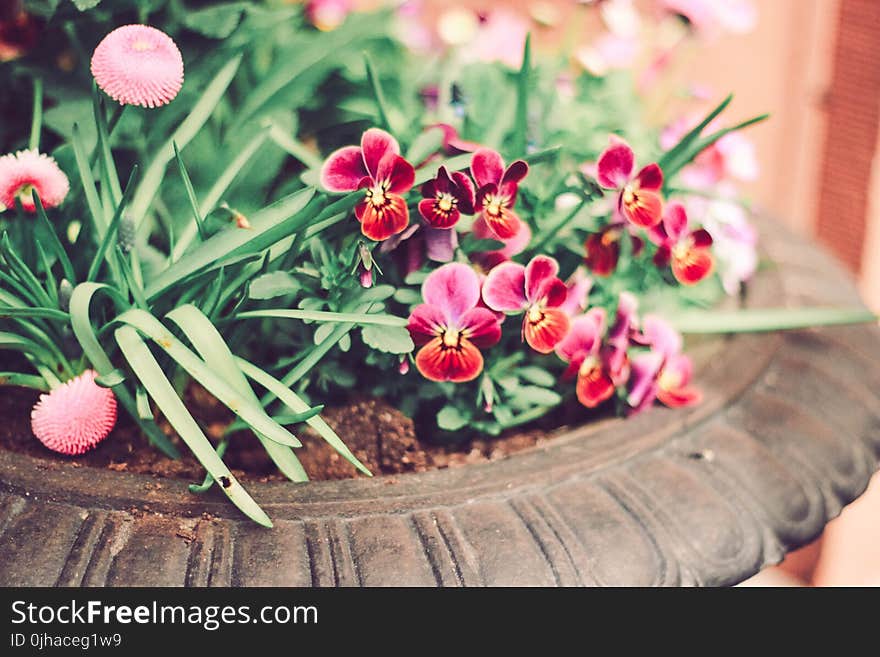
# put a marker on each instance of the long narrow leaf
(23, 380)
(102, 253)
(144, 365)
(298, 405)
(213, 349)
(239, 404)
(188, 129)
(80, 322)
(322, 316)
(759, 320)
(521, 120)
(190, 193)
(54, 242)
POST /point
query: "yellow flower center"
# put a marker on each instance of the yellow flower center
(141, 45)
(451, 338)
(535, 314)
(445, 203)
(378, 195)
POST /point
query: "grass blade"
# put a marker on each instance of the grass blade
(80, 322)
(54, 242)
(144, 365)
(101, 253)
(23, 381)
(190, 193)
(521, 120)
(323, 316)
(378, 95)
(213, 349)
(298, 405)
(759, 320)
(238, 403)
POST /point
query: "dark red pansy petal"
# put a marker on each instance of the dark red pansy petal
(437, 218)
(515, 172)
(679, 397)
(381, 223)
(375, 145)
(443, 181)
(543, 335)
(603, 252)
(650, 178)
(482, 326)
(594, 386)
(487, 167)
(702, 239)
(464, 192)
(692, 266)
(645, 210)
(437, 362)
(662, 257)
(398, 172)
(505, 224)
(429, 189)
(343, 170)
(638, 245)
(482, 192)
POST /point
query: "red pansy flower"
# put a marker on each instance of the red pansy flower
(638, 196)
(451, 327)
(688, 251)
(581, 350)
(376, 167)
(446, 198)
(536, 290)
(496, 191)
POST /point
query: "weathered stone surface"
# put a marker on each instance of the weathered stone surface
(789, 433)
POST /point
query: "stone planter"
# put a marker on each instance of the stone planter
(788, 434)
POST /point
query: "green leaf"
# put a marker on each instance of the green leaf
(190, 193)
(23, 380)
(213, 349)
(537, 375)
(102, 253)
(768, 319)
(297, 405)
(323, 316)
(84, 5)
(80, 302)
(450, 418)
(523, 84)
(187, 129)
(54, 242)
(238, 403)
(150, 374)
(273, 284)
(427, 143)
(472, 245)
(217, 22)
(536, 396)
(378, 94)
(110, 379)
(268, 226)
(675, 153)
(391, 340)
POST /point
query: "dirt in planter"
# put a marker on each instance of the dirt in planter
(379, 435)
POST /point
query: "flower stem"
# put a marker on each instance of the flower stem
(37, 118)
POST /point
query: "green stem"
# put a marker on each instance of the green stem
(551, 234)
(37, 119)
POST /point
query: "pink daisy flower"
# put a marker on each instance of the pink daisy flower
(76, 416)
(25, 171)
(138, 65)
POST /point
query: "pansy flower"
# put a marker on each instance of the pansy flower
(496, 191)
(619, 336)
(663, 373)
(535, 290)
(688, 251)
(446, 198)
(638, 197)
(581, 349)
(450, 327)
(376, 167)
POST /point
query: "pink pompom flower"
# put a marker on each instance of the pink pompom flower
(377, 167)
(451, 327)
(536, 291)
(138, 65)
(76, 416)
(24, 172)
(638, 197)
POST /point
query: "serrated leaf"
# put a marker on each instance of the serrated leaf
(274, 284)
(390, 339)
(537, 375)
